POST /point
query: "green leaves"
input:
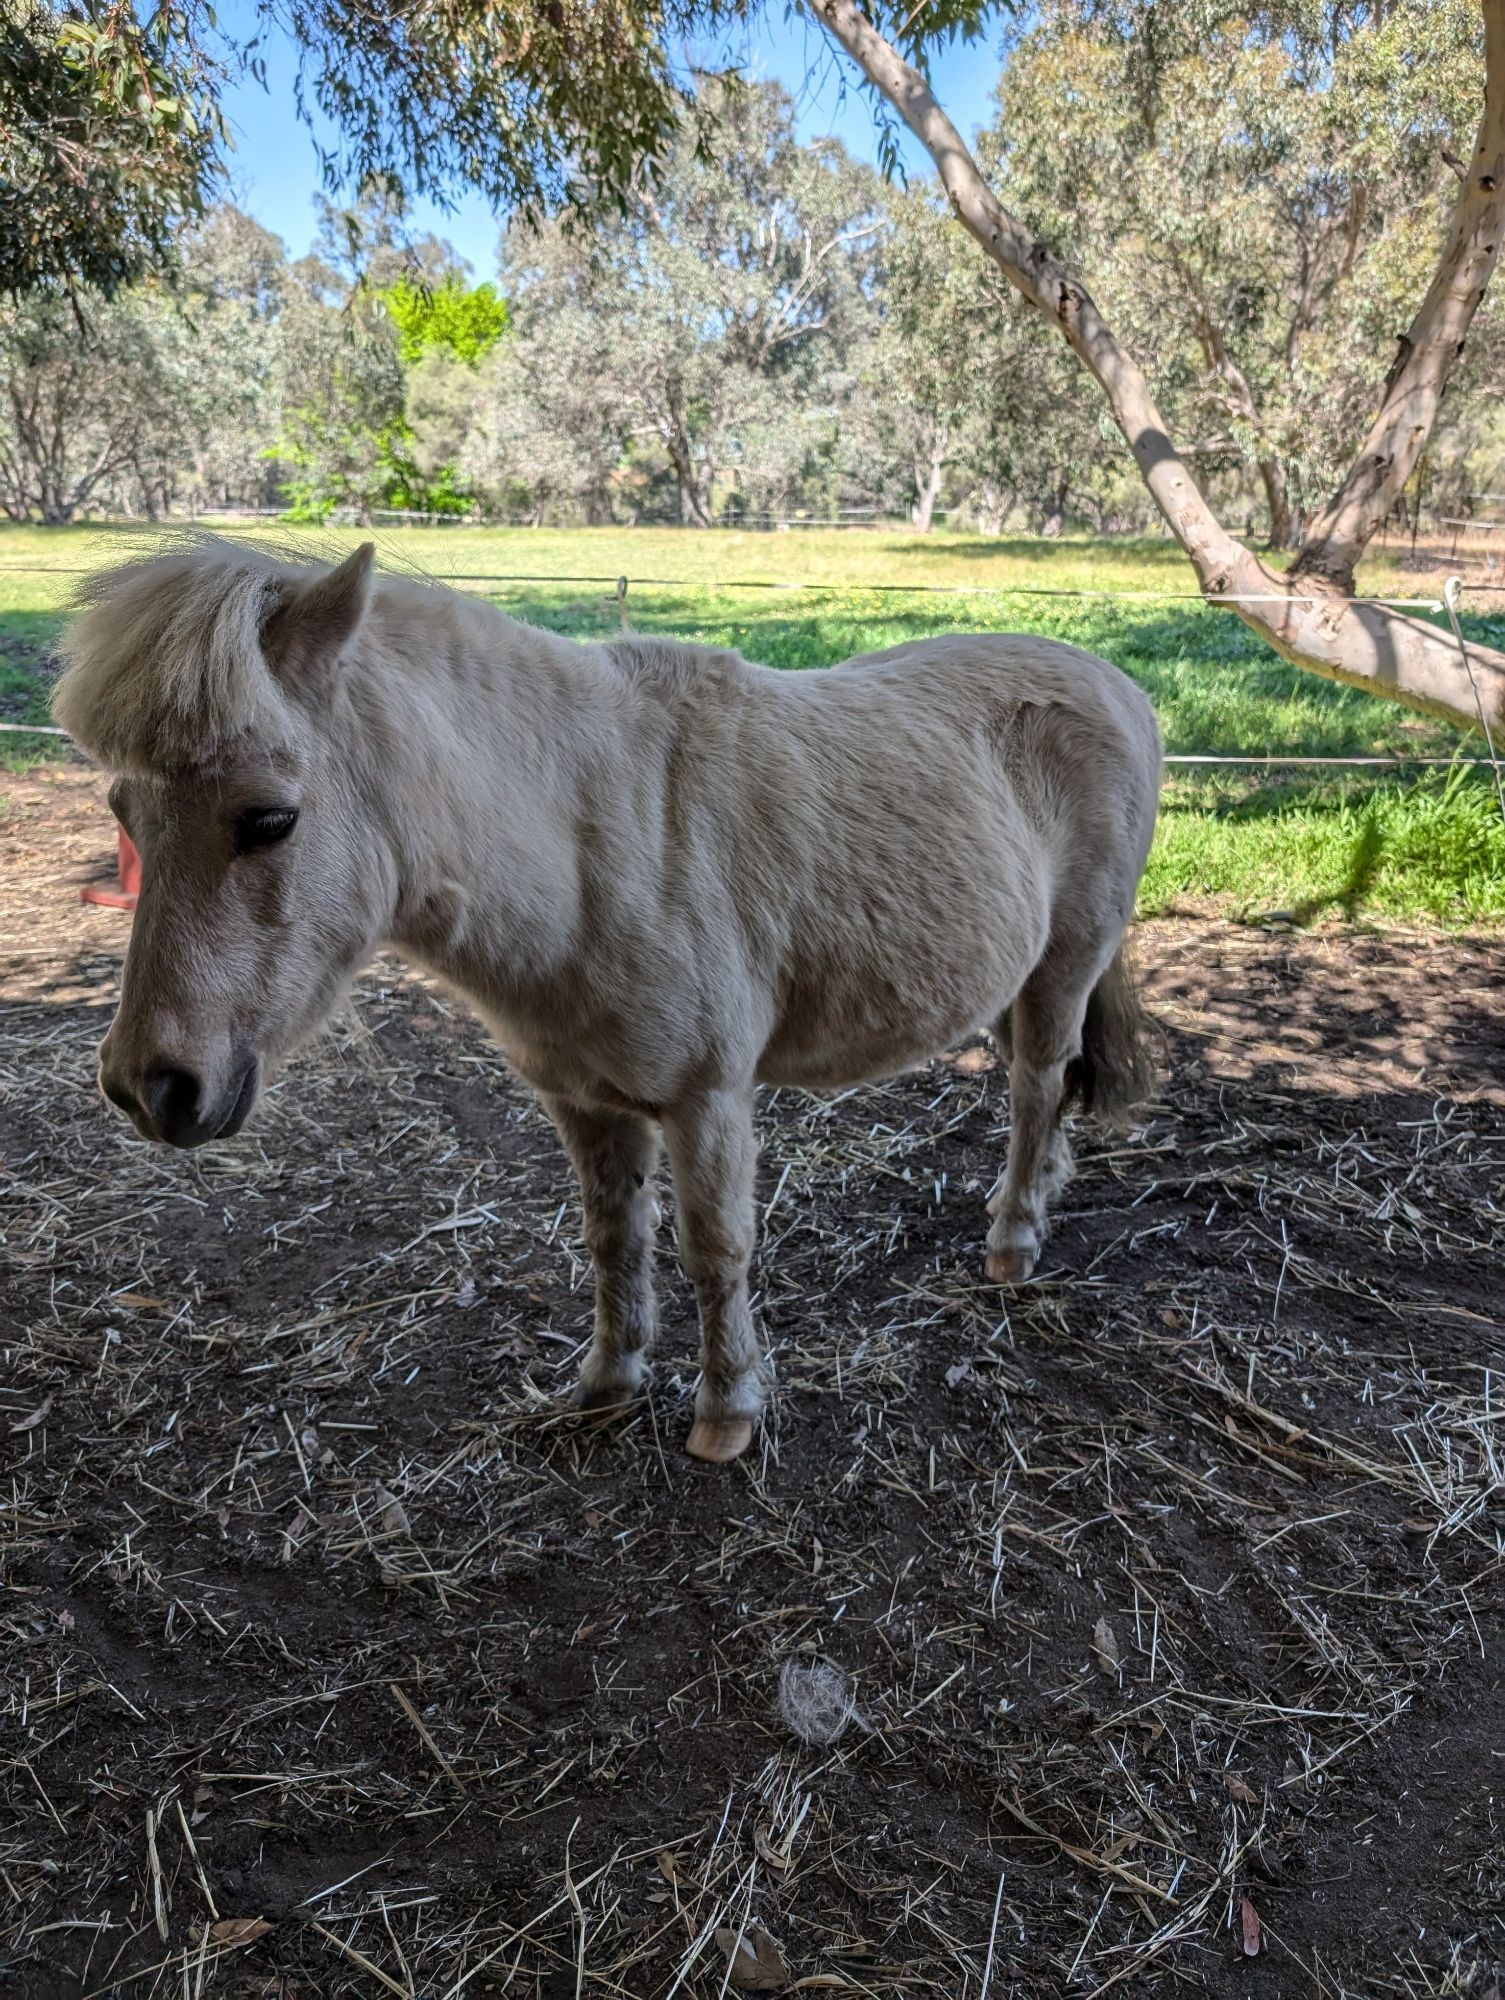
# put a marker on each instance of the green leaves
(465, 320)
(537, 105)
(109, 136)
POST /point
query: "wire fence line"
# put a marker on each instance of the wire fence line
(1446, 605)
(1450, 594)
(623, 584)
(1171, 757)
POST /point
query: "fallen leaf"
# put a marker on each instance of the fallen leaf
(142, 1301)
(959, 1372)
(392, 1512)
(1245, 1794)
(1105, 1645)
(817, 1555)
(766, 1851)
(239, 1930)
(37, 1417)
(666, 1865)
(756, 1965)
(1249, 1919)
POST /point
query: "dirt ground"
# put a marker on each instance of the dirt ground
(1164, 1595)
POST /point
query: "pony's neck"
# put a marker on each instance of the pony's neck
(484, 728)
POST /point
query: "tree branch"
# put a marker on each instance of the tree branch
(1308, 621)
(1408, 408)
(1054, 293)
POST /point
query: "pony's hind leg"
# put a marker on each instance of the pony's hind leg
(713, 1153)
(614, 1154)
(1045, 1038)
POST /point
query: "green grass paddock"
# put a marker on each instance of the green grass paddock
(1379, 847)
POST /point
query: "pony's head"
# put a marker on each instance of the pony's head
(209, 682)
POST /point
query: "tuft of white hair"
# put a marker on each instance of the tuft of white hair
(815, 1701)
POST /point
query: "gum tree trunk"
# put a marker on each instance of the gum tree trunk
(1307, 615)
(929, 471)
(1277, 499)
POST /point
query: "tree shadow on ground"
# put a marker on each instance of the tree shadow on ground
(1363, 866)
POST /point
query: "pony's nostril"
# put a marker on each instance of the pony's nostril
(119, 1096)
(172, 1099)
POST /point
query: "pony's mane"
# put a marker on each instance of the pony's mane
(163, 663)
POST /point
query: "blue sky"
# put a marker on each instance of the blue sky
(274, 169)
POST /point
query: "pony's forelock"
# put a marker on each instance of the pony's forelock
(164, 668)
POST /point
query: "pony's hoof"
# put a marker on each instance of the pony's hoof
(719, 1444)
(1008, 1267)
(603, 1405)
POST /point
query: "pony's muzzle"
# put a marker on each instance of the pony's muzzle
(176, 1107)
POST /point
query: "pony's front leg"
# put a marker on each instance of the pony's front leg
(713, 1154)
(614, 1155)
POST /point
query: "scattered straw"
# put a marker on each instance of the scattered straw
(335, 1648)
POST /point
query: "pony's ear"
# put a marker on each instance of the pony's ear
(314, 622)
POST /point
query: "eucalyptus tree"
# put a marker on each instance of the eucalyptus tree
(580, 100)
(110, 137)
(164, 395)
(1252, 208)
(967, 388)
(703, 322)
(586, 103)
(1309, 613)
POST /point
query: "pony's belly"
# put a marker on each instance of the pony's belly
(839, 1057)
(839, 1069)
(846, 1021)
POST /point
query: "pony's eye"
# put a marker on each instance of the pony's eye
(263, 826)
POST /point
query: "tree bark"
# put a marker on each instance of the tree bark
(695, 484)
(694, 512)
(1277, 499)
(1308, 619)
(992, 504)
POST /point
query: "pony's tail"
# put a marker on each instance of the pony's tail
(1115, 1070)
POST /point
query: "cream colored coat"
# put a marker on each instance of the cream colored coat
(661, 874)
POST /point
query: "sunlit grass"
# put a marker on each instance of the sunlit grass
(1378, 847)
(1429, 848)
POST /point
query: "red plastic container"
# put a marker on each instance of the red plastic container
(121, 895)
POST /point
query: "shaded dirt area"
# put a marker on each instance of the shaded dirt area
(338, 1661)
